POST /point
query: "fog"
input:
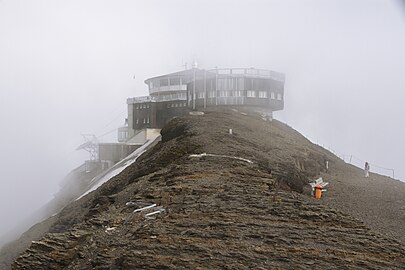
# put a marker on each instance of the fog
(67, 67)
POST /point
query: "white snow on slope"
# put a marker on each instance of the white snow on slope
(222, 156)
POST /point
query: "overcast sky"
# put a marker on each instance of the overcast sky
(67, 67)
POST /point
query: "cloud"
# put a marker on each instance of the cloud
(68, 66)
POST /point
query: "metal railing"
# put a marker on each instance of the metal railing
(140, 99)
(180, 87)
(249, 72)
(170, 97)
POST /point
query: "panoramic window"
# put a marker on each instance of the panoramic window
(262, 84)
(248, 84)
(210, 84)
(262, 94)
(237, 93)
(231, 83)
(241, 84)
(251, 94)
(164, 82)
(174, 81)
(222, 84)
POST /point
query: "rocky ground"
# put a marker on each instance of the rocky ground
(223, 212)
(379, 201)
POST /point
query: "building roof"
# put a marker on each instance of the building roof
(183, 73)
(247, 72)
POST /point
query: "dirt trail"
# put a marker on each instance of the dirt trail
(224, 213)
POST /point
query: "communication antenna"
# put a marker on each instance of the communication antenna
(90, 145)
(185, 66)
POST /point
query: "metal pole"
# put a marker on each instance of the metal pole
(216, 86)
(205, 89)
(188, 96)
(193, 88)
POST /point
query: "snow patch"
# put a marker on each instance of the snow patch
(223, 156)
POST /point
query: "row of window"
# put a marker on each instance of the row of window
(176, 105)
(142, 106)
(122, 135)
(212, 94)
(272, 96)
(172, 96)
(165, 82)
(235, 84)
(144, 120)
(244, 84)
(228, 83)
(261, 94)
(231, 84)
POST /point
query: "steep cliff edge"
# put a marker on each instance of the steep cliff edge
(227, 212)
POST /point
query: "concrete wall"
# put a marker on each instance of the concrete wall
(143, 135)
(114, 152)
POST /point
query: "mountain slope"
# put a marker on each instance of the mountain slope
(222, 211)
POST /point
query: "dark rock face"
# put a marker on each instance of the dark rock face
(55, 251)
(220, 212)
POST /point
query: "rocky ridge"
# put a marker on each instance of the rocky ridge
(220, 212)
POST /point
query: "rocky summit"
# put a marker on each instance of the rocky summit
(207, 198)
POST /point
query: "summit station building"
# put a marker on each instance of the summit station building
(178, 93)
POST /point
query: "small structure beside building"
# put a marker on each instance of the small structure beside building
(112, 153)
